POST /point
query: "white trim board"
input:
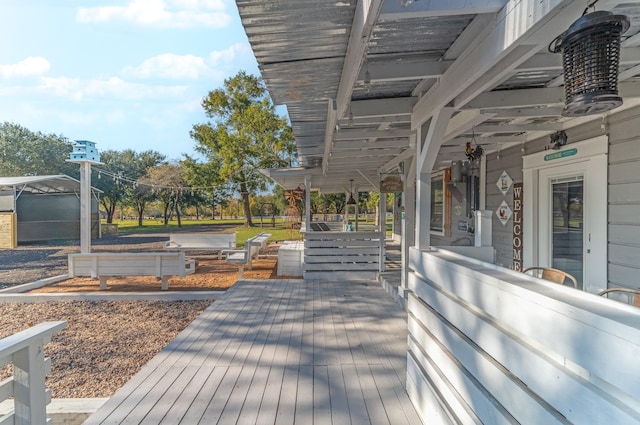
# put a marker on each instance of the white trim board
(589, 159)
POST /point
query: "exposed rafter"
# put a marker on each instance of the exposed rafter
(522, 29)
(527, 98)
(393, 10)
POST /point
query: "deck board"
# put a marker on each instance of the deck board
(278, 352)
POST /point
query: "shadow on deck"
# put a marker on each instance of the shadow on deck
(278, 351)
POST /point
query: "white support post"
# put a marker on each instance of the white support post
(85, 207)
(307, 201)
(356, 209)
(423, 211)
(382, 223)
(408, 222)
(29, 371)
(345, 222)
(426, 154)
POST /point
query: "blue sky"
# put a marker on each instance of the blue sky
(121, 73)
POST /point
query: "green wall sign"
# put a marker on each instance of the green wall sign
(562, 154)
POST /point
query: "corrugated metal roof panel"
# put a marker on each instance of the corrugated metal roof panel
(300, 45)
(426, 35)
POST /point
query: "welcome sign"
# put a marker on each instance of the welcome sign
(517, 227)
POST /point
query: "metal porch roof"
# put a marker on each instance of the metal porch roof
(315, 58)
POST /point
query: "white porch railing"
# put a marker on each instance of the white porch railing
(491, 345)
(25, 350)
(342, 255)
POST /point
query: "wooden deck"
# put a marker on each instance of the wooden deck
(278, 352)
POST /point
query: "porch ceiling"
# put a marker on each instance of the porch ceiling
(316, 56)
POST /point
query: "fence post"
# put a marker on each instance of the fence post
(30, 395)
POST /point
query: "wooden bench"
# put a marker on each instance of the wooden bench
(103, 265)
(201, 242)
(252, 248)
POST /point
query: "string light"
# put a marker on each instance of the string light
(119, 178)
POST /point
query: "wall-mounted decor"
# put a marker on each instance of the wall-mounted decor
(391, 184)
(504, 213)
(517, 226)
(504, 182)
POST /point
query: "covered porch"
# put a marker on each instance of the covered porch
(464, 100)
(278, 352)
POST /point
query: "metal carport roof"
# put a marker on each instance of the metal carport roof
(42, 184)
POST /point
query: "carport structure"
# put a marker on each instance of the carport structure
(39, 208)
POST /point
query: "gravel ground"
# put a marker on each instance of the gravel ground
(104, 343)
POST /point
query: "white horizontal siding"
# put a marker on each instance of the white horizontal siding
(516, 348)
(624, 201)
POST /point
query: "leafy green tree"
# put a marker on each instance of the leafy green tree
(23, 152)
(142, 195)
(168, 184)
(122, 169)
(206, 175)
(333, 203)
(138, 195)
(244, 135)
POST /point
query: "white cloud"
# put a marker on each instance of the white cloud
(33, 65)
(176, 67)
(110, 88)
(170, 66)
(160, 13)
(228, 55)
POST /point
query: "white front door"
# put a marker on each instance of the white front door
(566, 219)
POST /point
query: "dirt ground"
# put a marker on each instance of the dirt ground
(210, 275)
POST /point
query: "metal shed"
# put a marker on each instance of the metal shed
(42, 208)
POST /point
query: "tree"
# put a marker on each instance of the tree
(23, 152)
(122, 169)
(333, 202)
(245, 134)
(141, 196)
(167, 183)
(206, 175)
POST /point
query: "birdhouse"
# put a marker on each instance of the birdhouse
(84, 150)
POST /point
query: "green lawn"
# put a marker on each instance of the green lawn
(278, 233)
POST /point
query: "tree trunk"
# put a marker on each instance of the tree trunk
(140, 209)
(167, 207)
(245, 205)
(176, 206)
(110, 209)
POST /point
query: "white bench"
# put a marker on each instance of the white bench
(252, 248)
(261, 240)
(201, 242)
(103, 265)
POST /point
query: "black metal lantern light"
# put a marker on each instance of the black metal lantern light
(590, 59)
(351, 201)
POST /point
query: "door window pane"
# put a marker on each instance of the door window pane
(568, 229)
(437, 204)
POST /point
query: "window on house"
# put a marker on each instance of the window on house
(437, 203)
